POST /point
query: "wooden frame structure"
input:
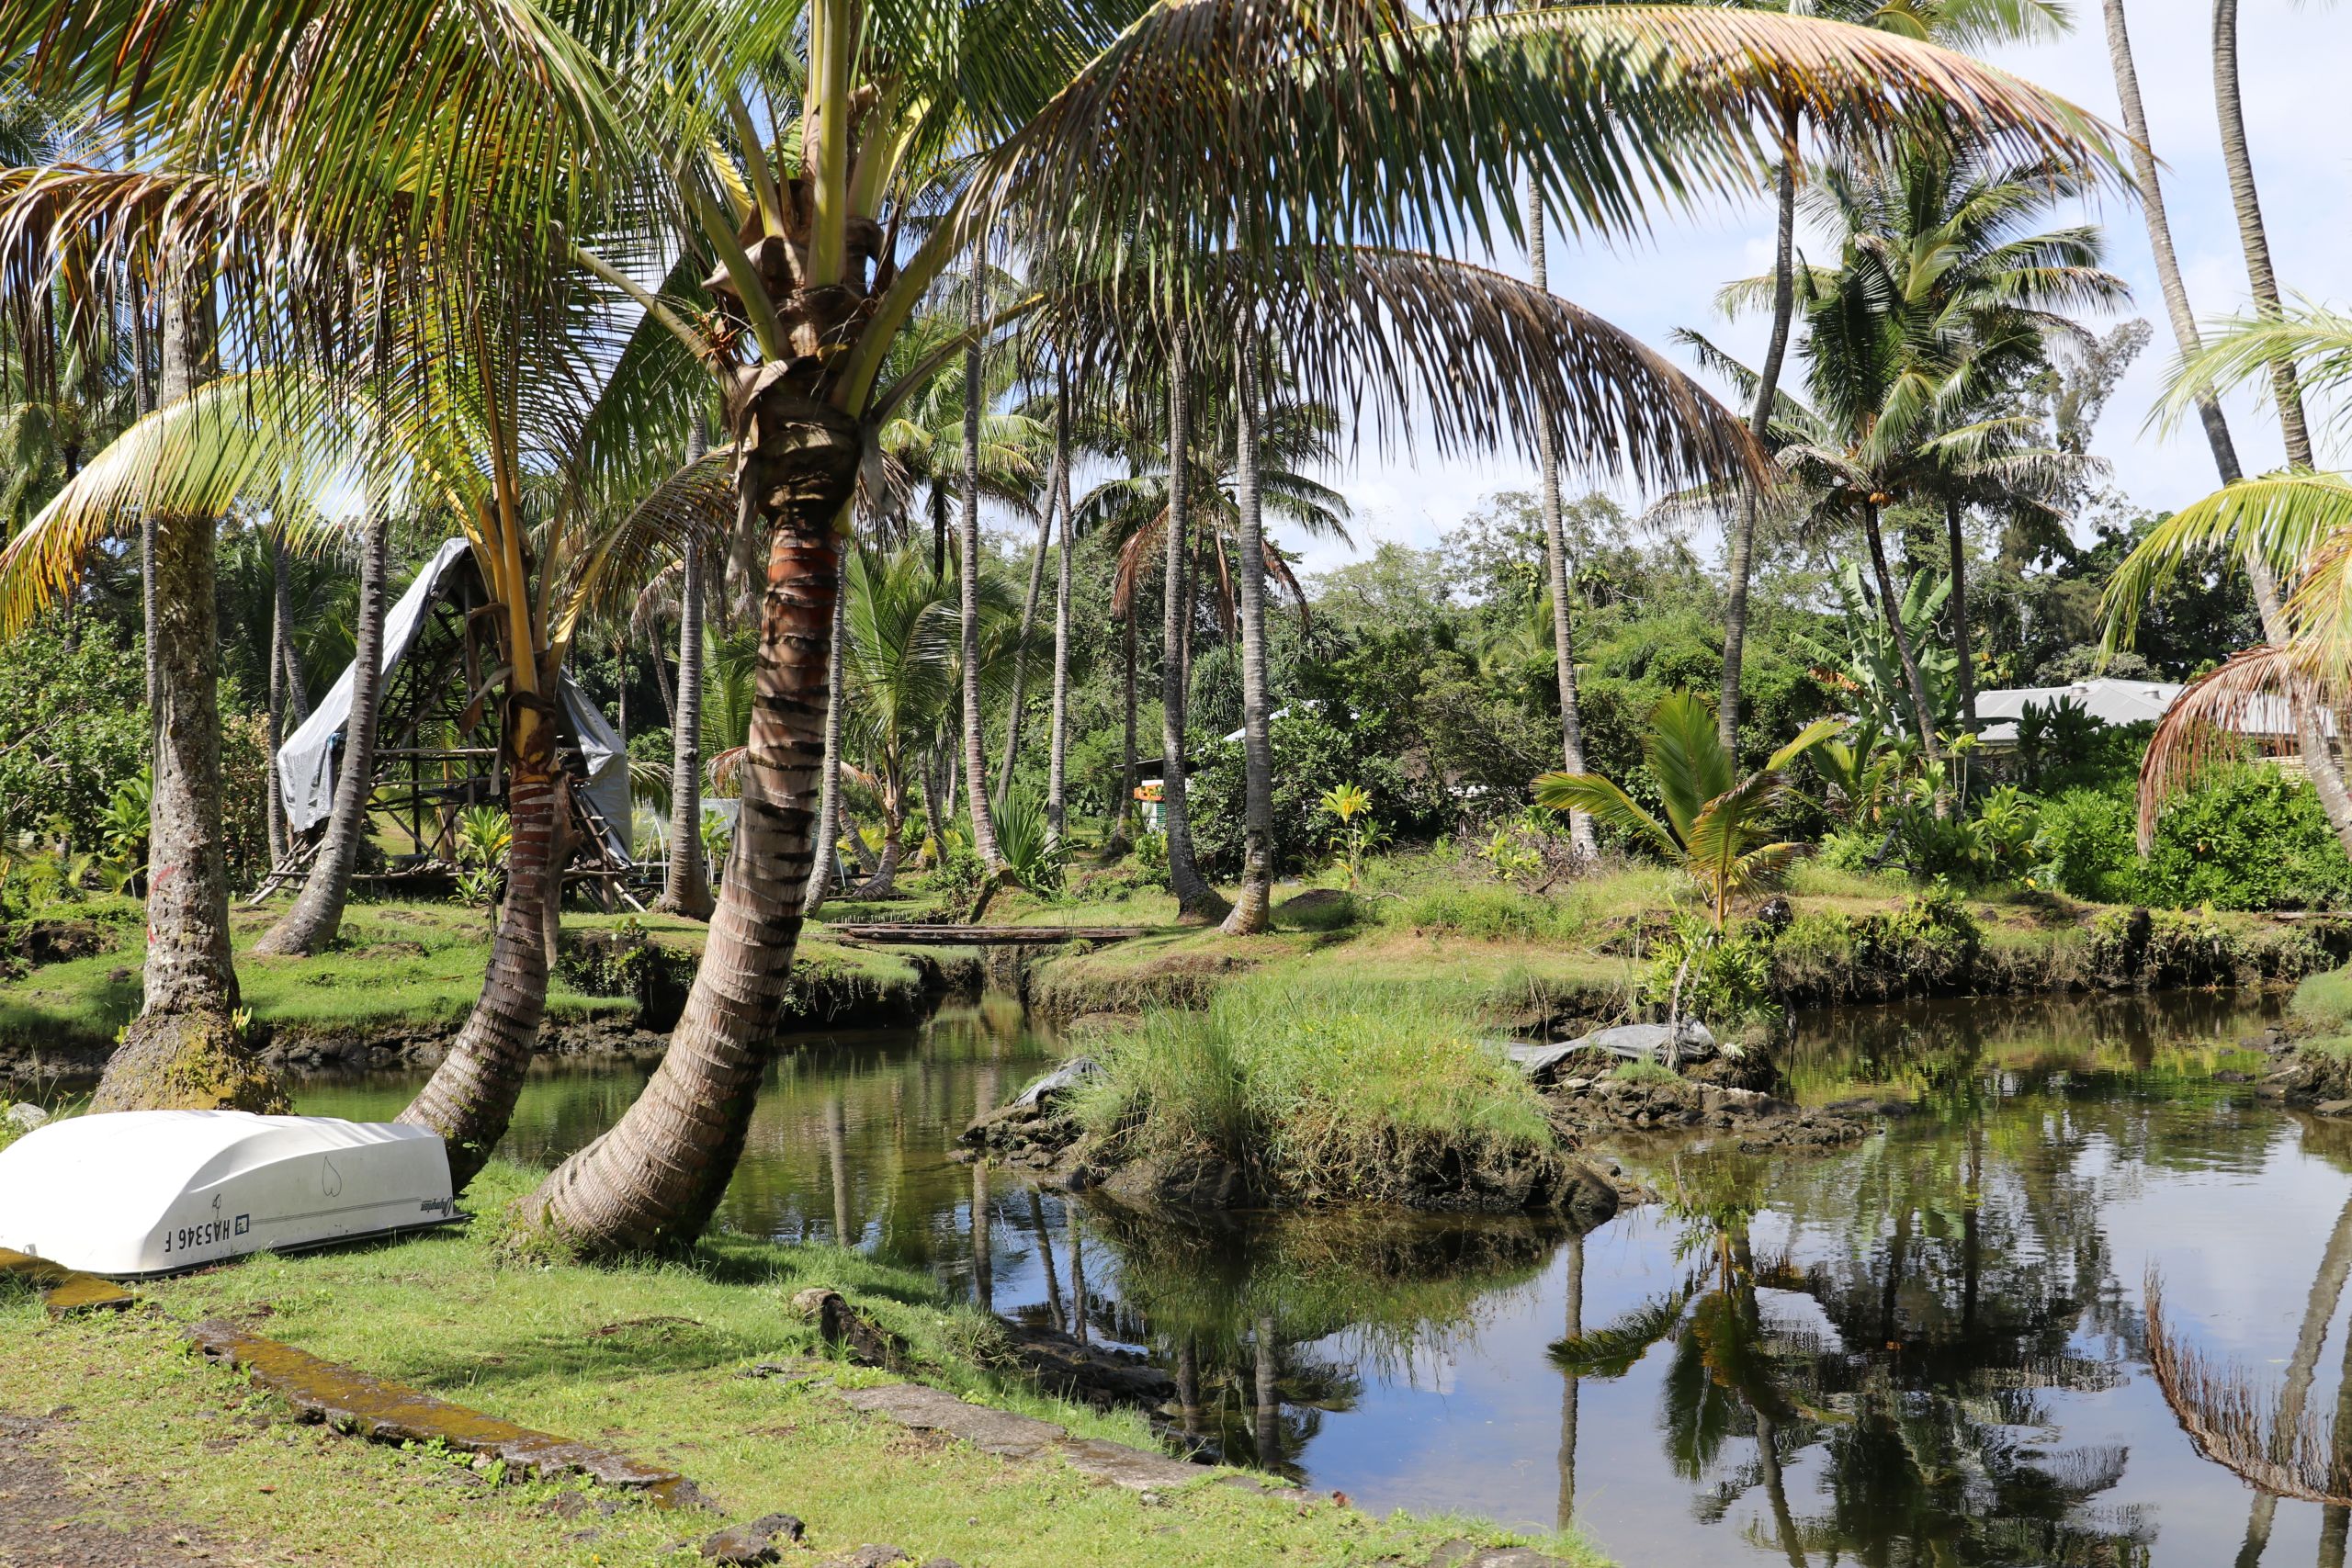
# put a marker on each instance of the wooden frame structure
(437, 731)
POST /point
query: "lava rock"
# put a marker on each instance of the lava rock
(761, 1541)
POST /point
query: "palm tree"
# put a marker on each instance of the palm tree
(2247, 204)
(685, 888)
(1252, 905)
(1195, 899)
(2324, 768)
(492, 133)
(187, 1046)
(1716, 828)
(1941, 296)
(897, 672)
(1058, 740)
(1556, 554)
(316, 915)
(2294, 527)
(1969, 25)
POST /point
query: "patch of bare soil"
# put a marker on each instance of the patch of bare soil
(46, 1522)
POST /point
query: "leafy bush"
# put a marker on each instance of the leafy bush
(2251, 837)
(1311, 756)
(73, 725)
(1728, 980)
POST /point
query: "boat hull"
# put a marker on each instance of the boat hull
(136, 1194)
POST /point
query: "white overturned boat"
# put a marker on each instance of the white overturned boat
(135, 1193)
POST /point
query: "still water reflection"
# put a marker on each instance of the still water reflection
(1930, 1348)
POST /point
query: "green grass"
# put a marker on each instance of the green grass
(645, 1359)
(1325, 1087)
(394, 966)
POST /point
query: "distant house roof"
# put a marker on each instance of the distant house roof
(2109, 701)
(2119, 702)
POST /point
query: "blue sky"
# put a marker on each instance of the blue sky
(2296, 63)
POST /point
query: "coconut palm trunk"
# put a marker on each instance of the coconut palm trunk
(968, 533)
(186, 1048)
(1556, 559)
(470, 1096)
(1892, 607)
(274, 809)
(653, 1180)
(1058, 737)
(884, 880)
(829, 781)
(1123, 816)
(1759, 425)
(1028, 626)
(2321, 764)
(317, 916)
(2261, 279)
(1957, 543)
(685, 885)
(1252, 906)
(1194, 897)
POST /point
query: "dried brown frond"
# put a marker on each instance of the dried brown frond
(2259, 691)
(2237, 1422)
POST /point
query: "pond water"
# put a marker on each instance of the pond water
(1930, 1348)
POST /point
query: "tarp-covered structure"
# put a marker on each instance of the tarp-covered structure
(436, 733)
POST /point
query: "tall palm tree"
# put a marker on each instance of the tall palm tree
(316, 915)
(1195, 899)
(2323, 767)
(187, 1047)
(2294, 527)
(685, 887)
(1058, 737)
(1941, 296)
(1555, 556)
(2246, 202)
(491, 131)
(1971, 25)
(1253, 903)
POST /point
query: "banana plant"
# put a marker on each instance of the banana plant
(1717, 825)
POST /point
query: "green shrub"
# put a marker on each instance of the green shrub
(2250, 838)
(73, 725)
(1728, 981)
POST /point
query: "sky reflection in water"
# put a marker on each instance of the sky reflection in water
(1941, 1331)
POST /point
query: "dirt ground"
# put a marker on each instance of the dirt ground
(48, 1522)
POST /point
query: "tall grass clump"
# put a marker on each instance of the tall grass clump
(1317, 1090)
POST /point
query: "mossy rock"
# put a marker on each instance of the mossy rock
(188, 1061)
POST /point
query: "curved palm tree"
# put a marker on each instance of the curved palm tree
(2325, 767)
(2293, 527)
(637, 128)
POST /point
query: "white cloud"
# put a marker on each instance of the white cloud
(2292, 62)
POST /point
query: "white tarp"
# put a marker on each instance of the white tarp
(306, 762)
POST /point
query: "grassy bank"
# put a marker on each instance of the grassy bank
(646, 1361)
(1341, 1089)
(1520, 959)
(396, 967)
